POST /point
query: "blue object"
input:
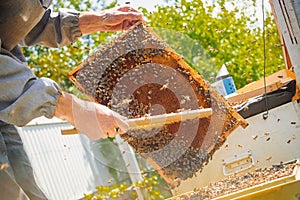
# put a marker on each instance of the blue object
(224, 82)
(229, 85)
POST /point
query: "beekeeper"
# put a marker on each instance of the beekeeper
(25, 97)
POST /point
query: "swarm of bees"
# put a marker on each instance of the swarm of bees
(138, 75)
(235, 183)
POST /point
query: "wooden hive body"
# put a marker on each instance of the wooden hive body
(138, 75)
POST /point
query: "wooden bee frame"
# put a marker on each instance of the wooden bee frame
(137, 75)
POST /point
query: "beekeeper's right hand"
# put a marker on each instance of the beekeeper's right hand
(94, 120)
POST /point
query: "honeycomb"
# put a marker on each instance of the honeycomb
(138, 75)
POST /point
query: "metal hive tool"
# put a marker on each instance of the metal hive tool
(138, 75)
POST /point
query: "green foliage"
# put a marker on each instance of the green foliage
(149, 188)
(224, 33)
(72, 4)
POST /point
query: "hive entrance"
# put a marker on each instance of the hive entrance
(139, 75)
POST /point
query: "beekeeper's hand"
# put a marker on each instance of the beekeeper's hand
(115, 19)
(94, 120)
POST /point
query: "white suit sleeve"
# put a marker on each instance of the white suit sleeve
(55, 29)
(24, 96)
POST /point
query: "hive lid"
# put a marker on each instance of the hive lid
(137, 75)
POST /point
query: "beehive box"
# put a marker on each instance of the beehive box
(280, 181)
(139, 75)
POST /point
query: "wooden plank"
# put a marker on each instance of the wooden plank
(277, 76)
(72, 131)
(258, 91)
(159, 120)
(273, 81)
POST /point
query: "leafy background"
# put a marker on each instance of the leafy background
(214, 35)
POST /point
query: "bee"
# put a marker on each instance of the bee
(269, 158)
(110, 181)
(165, 86)
(4, 166)
(266, 133)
